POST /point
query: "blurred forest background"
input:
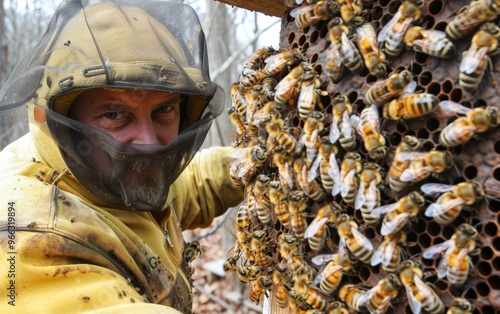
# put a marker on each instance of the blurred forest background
(232, 34)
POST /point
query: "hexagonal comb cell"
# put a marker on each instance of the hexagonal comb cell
(370, 163)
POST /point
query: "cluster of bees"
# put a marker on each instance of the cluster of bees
(322, 179)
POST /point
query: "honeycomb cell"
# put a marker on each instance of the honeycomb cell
(291, 37)
(447, 86)
(490, 228)
(393, 7)
(484, 269)
(483, 289)
(425, 78)
(435, 8)
(496, 244)
(470, 171)
(496, 263)
(440, 26)
(496, 173)
(434, 88)
(421, 58)
(486, 253)
(401, 128)
(313, 37)
(456, 95)
(384, 3)
(422, 133)
(494, 282)
(432, 124)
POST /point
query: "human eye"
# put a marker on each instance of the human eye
(114, 115)
(164, 109)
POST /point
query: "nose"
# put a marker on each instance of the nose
(144, 132)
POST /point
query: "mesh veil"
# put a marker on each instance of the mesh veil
(122, 44)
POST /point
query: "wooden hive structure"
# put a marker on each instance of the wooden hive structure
(440, 82)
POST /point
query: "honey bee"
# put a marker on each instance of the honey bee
(422, 164)
(288, 245)
(357, 243)
(380, 296)
(249, 78)
(460, 306)
(315, 299)
(281, 161)
(410, 106)
(389, 253)
(192, 251)
(334, 65)
(430, 41)
(232, 258)
(456, 262)
(237, 119)
(297, 204)
(255, 61)
(301, 270)
(268, 86)
(244, 161)
(267, 113)
(311, 188)
(420, 295)
(449, 205)
(367, 43)
(341, 128)
(408, 144)
(354, 297)
(477, 120)
(350, 10)
(394, 31)
(313, 125)
(350, 168)
(368, 195)
(247, 273)
(471, 17)
(276, 63)
(368, 127)
(258, 288)
(309, 91)
(317, 238)
(260, 239)
(278, 196)
(330, 277)
(281, 294)
(397, 214)
(313, 13)
(337, 308)
(476, 60)
(243, 217)
(279, 136)
(288, 85)
(238, 101)
(395, 85)
(329, 170)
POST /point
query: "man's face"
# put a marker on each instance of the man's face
(138, 117)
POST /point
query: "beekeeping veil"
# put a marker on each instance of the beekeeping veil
(114, 44)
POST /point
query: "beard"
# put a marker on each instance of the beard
(142, 183)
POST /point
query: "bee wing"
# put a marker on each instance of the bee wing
(379, 254)
(289, 177)
(433, 252)
(364, 297)
(334, 134)
(400, 33)
(348, 48)
(329, 270)
(345, 125)
(372, 193)
(384, 32)
(314, 226)
(347, 181)
(322, 259)
(362, 239)
(313, 171)
(409, 175)
(422, 287)
(334, 173)
(414, 303)
(299, 10)
(409, 155)
(449, 108)
(390, 226)
(360, 197)
(366, 34)
(285, 85)
(373, 118)
(438, 209)
(410, 88)
(472, 58)
(382, 210)
(433, 189)
(442, 265)
(356, 124)
(334, 56)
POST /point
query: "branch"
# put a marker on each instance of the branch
(214, 298)
(237, 53)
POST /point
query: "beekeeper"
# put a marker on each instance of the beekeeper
(95, 197)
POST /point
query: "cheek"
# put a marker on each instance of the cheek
(166, 133)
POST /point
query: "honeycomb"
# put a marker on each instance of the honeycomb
(292, 224)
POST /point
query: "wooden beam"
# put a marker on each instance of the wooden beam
(269, 7)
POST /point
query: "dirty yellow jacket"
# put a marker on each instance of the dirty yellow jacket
(64, 251)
